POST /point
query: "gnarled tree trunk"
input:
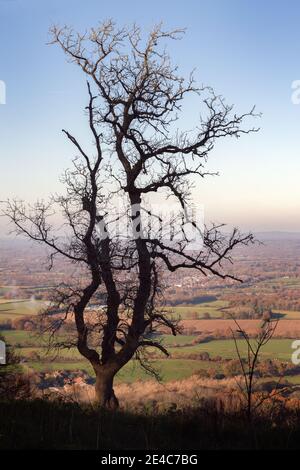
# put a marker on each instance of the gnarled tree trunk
(104, 392)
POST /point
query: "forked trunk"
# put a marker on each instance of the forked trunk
(105, 395)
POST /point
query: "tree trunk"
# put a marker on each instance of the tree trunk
(105, 395)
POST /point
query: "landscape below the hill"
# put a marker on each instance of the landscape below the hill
(205, 351)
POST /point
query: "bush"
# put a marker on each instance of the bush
(206, 316)
(232, 368)
(202, 374)
(13, 383)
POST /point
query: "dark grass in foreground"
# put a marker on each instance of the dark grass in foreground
(40, 424)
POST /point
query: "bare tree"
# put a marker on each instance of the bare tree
(249, 364)
(135, 100)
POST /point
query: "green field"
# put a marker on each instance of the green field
(288, 314)
(170, 340)
(279, 349)
(27, 342)
(11, 309)
(173, 368)
(21, 337)
(276, 349)
(197, 311)
(71, 354)
(216, 309)
(169, 369)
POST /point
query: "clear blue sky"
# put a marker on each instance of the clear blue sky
(249, 51)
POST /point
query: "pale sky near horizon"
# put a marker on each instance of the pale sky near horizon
(249, 51)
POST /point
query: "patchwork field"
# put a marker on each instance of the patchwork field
(202, 319)
(280, 349)
(183, 361)
(216, 309)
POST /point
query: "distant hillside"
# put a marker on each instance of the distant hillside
(270, 236)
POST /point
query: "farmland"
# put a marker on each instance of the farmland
(181, 347)
(280, 349)
(203, 306)
(182, 363)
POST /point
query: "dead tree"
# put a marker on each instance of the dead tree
(135, 100)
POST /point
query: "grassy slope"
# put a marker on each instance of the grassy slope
(52, 425)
